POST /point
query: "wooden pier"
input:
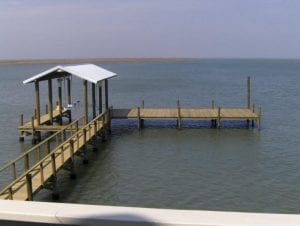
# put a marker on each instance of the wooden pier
(180, 114)
(42, 173)
(38, 167)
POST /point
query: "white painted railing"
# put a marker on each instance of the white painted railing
(23, 213)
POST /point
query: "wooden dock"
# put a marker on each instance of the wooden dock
(40, 173)
(216, 115)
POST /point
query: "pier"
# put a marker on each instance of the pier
(38, 167)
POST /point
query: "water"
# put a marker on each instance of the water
(231, 169)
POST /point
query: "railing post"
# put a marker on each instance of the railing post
(14, 171)
(10, 193)
(42, 173)
(26, 162)
(29, 187)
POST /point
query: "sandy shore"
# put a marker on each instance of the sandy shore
(91, 60)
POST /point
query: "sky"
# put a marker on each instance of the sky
(35, 29)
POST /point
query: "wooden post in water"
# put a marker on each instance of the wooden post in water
(94, 99)
(142, 107)
(259, 118)
(85, 101)
(100, 98)
(50, 100)
(213, 121)
(139, 117)
(37, 102)
(33, 131)
(21, 138)
(219, 118)
(72, 162)
(178, 115)
(253, 110)
(248, 93)
(60, 101)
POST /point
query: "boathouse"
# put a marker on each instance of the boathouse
(89, 73)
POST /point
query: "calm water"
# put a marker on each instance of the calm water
(233, 168)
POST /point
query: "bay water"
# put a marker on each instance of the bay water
(231, 169)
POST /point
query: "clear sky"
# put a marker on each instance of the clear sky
(149, 28)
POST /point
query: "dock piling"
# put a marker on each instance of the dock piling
(21, 138)
(139, 118)
(219, 118)
(29, 186)
(178, 115)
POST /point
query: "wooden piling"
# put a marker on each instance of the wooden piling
(139, 117)
(21, 138)
(142, 107)
(178, 115)
(46, 109)
(248, 93)
(259, 118)
(33, 131)
(72, 162)
(29, 186)
(219, 118)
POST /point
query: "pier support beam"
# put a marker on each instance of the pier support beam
(85, 101)
(50, 100)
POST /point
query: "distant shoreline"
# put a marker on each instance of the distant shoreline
(91, 60)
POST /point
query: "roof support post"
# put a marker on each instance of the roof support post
(106, 94)
(50, 104)
(248, 93)
(37, 102)
(69, 91)
(60, 101)
(94, 99)
(100, 97)
(85, 101)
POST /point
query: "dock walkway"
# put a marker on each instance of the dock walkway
(214, 114)
(36, 175)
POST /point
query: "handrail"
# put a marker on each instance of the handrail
(8, 188)
(34, 148)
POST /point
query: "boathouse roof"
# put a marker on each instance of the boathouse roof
(89, 72)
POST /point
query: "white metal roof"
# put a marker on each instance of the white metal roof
(89, 72)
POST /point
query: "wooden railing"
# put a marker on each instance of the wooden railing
(71, 144)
